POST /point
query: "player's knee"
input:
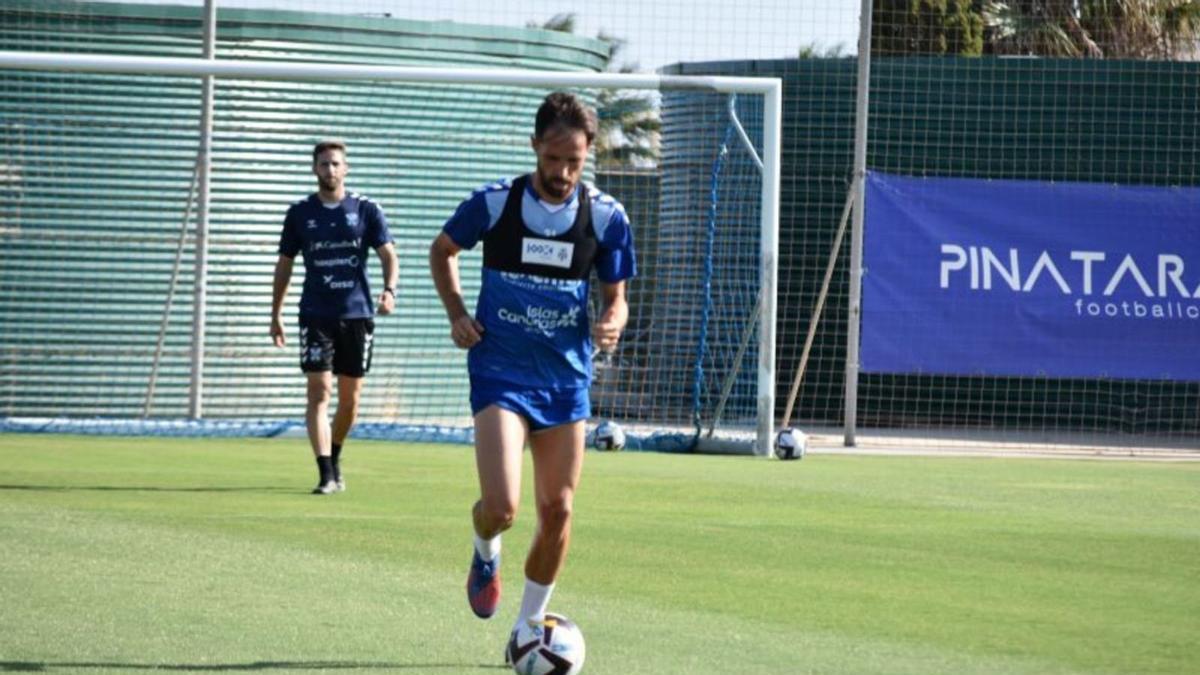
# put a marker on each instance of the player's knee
(348, 407)
(350, 391)
(499, 514)
(319, 395)
(555, 514)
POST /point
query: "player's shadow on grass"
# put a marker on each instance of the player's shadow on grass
(51, 666)
(144, 488)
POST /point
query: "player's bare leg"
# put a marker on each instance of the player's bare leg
(557, 464)
(316, 420)
(499, 439)
(349, 393)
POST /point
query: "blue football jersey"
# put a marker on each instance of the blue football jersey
(536, 329)
(336, 242)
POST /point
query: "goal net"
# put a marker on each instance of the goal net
(104, 276)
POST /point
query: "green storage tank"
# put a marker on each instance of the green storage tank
(97, 169)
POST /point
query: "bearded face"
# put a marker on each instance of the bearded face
(330, 169)
(561, 155)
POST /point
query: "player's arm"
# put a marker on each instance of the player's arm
(614, 314)
(283, 278)
(616, 263)
(391, 271)
(443, 267)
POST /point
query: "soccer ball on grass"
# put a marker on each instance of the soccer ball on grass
(609, 436)
(553, 646)
(790, 444)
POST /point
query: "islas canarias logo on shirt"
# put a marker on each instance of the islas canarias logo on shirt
(542, 319)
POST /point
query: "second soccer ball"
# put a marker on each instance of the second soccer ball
(609, 436)
(790, 444)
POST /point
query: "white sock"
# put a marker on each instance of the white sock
(488, 549)
(534, 602)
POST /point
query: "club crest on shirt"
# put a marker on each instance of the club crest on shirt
(352, 220)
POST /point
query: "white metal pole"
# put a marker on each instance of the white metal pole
(858, 184)
(769, 247)
(204, 163)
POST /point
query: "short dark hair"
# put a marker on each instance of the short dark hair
(327, 145)
(565, 110)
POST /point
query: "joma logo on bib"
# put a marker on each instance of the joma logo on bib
(547, 252)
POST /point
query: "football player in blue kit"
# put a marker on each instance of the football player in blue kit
(530, 347)
(335, 230)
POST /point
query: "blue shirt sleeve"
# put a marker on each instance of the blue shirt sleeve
(289, 240)
(616, 261)
(469, 222)
(377, 233)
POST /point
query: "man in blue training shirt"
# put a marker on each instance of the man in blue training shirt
(336, 231)
(530, 358)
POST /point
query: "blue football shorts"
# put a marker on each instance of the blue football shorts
(542, 408)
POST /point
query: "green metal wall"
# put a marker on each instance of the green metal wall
(96, 174)
(1044, 119)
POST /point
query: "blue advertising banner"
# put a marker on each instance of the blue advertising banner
(1006, 277)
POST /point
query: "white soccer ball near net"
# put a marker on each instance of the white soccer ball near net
(609, 436)
(790, 444)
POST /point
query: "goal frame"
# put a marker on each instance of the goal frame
(771, 89)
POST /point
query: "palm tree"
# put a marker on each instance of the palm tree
(1115, 29)
(562, 23)
(630, 128)
(814, 50)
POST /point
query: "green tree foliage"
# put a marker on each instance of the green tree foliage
(563, 23)
(926, 27)
(1115, 29)
(817, 51)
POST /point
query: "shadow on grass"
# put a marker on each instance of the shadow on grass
(146, 488)
(51, 666)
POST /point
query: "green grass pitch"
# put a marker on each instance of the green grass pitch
(148, 554)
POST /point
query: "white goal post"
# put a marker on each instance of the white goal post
(763, 305)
